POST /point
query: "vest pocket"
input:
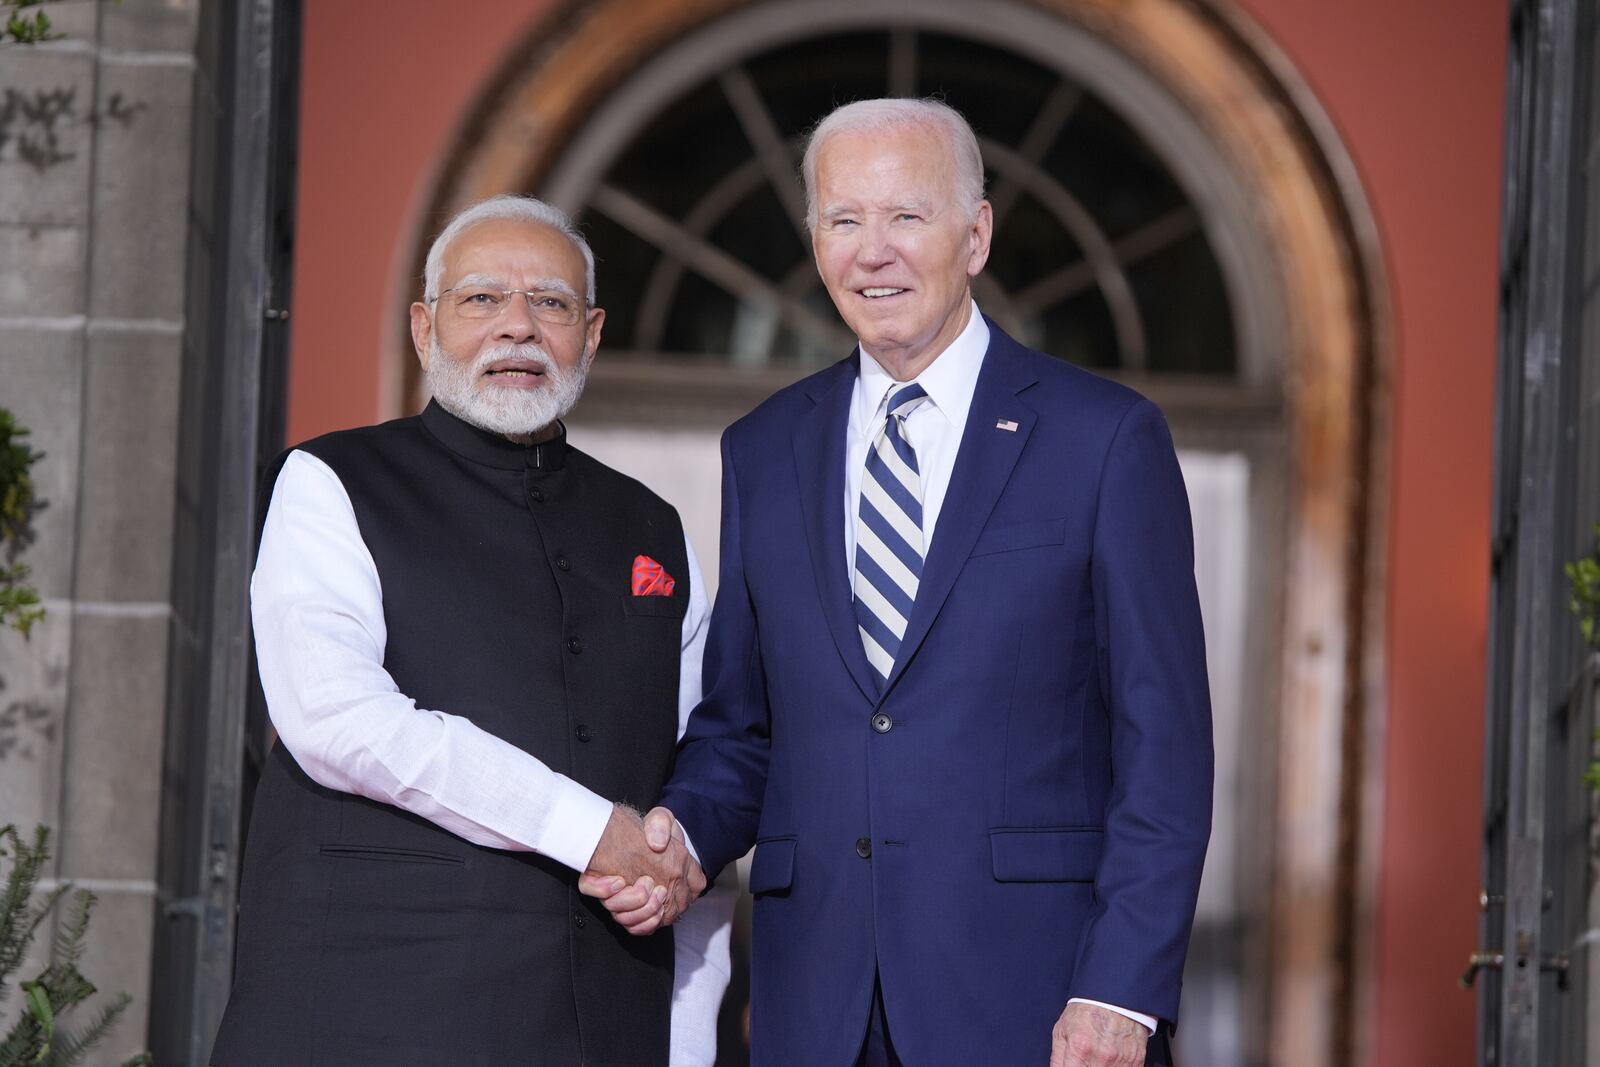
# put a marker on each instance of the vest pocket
(672, 607)
(772, 869)
(391, 855)
(1046, 854)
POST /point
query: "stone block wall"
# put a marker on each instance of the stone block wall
(95, 132)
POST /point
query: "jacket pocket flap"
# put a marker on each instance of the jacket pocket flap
(1017, 535)
(773, 866)
(1046, 855)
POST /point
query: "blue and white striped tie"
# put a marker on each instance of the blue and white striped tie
(889, 546)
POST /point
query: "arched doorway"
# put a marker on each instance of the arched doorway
(1172, 211)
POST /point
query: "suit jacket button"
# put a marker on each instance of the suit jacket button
(882, 723)
(864, 847)
(579, 922)
(574, 645)
(562, 564)
(582, 732)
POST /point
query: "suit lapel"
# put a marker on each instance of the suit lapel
(819, 451)
(983, 464)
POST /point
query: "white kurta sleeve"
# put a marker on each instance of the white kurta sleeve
(317, 608)
(701, 936)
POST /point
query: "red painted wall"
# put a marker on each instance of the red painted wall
(1416, 90)
(382, 94)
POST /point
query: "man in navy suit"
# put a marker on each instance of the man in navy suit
(955, 681)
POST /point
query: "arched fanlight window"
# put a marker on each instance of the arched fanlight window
(1172, 210)
(1123, 241)
(1099, 256)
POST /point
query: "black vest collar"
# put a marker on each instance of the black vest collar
(492, 449)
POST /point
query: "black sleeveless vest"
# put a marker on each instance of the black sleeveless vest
(368, 935)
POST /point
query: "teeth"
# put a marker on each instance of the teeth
(873, 294)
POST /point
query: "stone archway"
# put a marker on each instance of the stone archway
(1301, 221)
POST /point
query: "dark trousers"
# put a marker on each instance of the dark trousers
(878, 1050)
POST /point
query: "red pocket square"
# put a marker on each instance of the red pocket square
(650, 578)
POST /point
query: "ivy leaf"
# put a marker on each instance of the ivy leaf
(1583, 588)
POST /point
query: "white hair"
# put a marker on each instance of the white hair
(897, 113)
(460, 388)
(515, 208)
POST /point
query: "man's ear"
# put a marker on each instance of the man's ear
(593, 325)
(982, 230)
(421, 332)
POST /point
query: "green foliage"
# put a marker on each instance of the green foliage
(1591, 777)
(1583, 581)
(1583, 578)
(21, 29)
(19, 601)
(39, 1039)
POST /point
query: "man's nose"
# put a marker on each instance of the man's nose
(517, 323)
(875, 247)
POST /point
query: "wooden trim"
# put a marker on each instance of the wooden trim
(1326, 754)
(1338, 394)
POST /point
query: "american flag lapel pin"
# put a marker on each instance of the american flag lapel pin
(1007, 425)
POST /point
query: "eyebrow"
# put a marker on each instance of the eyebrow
(921, 206)
(489, 281)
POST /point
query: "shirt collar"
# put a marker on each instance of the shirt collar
(950, 380)
(492, 449)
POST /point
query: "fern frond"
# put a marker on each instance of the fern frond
(18, 920)
(19, 931)
(68, 1048)
(37, 1035)
(67, 949)
(24, 1043)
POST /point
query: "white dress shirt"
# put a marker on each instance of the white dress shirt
(934, 431)
(317, 606)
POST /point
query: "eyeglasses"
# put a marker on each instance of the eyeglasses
(485, 302)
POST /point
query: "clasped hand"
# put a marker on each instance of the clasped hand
(642, 870)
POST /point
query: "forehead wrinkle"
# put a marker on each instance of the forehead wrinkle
(477, 279)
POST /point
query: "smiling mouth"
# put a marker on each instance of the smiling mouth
(514, 373)
(879, 292)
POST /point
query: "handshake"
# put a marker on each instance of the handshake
(642, 870)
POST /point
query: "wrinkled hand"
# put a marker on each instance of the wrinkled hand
(642, 871)
(1088, 1035)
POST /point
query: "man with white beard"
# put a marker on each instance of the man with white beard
(479, 647)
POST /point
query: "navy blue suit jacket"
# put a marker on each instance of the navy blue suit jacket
(1021, 816)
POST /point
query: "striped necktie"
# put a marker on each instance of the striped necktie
(889, 536)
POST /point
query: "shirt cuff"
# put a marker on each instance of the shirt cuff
(577, 820)
(687, 843)
(1147, 1021)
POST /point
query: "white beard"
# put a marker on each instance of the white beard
(463, 390)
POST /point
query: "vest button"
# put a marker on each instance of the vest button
(882, 723)
(562, 564)
(574, 645)
(582, 733)
(579, 921)
(864, 847)
(536, 495)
